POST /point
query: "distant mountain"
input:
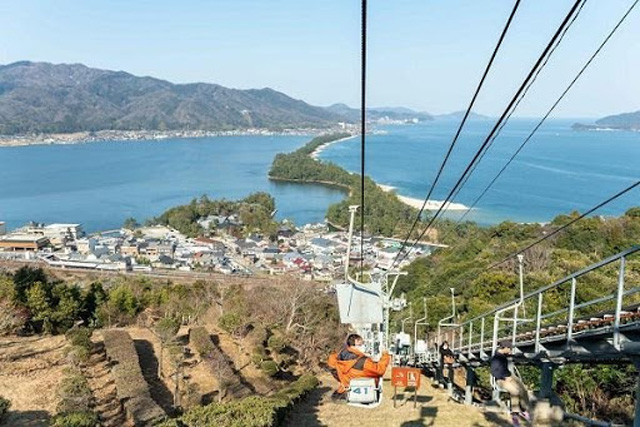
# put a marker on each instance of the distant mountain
(458, 115)
(379, 113)
(48, 98)
(625, 121)
(394, 110)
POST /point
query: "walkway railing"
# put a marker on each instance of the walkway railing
(563, 310)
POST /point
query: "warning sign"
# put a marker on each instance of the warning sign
(405, 377)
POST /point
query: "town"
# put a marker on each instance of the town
(314, 251)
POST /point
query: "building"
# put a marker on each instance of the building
(23, 242)
(72, 231)
(3, 228)
(86, 246)
(58, 234)
(130, 249)
(156, 249)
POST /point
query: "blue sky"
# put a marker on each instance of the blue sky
(426, 55)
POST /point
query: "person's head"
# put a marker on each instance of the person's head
(355, 340)
(504, 347)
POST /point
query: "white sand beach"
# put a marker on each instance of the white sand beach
(432, 205)
(321, 148)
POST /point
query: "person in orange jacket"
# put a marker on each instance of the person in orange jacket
(351, 362)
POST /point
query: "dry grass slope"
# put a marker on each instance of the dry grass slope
(30, 371)
(434, 408)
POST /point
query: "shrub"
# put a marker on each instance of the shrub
(258, 355)
(254, 411)
(276, 343)
(131, 386)
(77, 355)
(80, 337)
(75, 394)
(75, 419)
(231, 322)
(270, 368)
(201, 340)
(127, 374)
(5, 404)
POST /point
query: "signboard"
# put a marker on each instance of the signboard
(405, 377)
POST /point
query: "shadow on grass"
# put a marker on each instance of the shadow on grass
(26, 418)
(495, 419)
(149, 364)
(305, 412)
(427, 417)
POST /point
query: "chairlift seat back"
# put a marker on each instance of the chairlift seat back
(363, 391)
(359, 304)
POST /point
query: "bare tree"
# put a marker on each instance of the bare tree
(166, 330)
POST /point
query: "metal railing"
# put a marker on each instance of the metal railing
(559, 308)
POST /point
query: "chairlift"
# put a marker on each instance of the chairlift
(363, 307)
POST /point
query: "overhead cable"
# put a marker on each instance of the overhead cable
(462, 123)
(524, 84)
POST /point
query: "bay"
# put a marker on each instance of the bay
(559, 170)
(100, 184)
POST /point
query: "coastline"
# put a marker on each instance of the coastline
(139, 135)
(319, 149)
(345, 188)
(432, 205)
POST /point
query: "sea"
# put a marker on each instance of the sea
(558, 171)
(100, 184)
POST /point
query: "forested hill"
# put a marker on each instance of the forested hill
(625, 121)
(49, 98)
(464, 266)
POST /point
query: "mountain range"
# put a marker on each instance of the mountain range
(44, 98)
(379, 113)
(47, 98)
(624, 121)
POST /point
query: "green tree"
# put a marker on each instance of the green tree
(94, 297)
(24, 278)
(130, 223)
(66, 308)
(37, 300)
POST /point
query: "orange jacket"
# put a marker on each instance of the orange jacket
(351, 363)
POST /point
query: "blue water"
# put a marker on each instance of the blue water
(559, 170)
(101, 184)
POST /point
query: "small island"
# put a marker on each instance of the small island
(625, 121)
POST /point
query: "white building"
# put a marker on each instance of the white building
(74, 231)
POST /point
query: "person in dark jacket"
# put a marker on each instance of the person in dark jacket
(505, 380)
(447, 359)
